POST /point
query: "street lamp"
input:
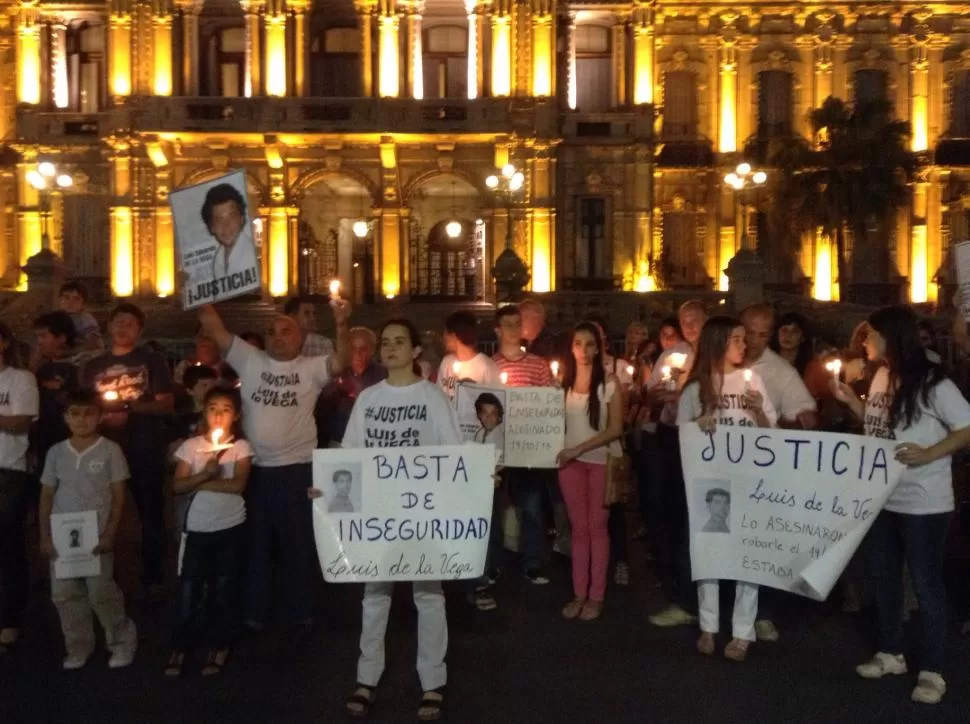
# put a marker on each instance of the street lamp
(742, 178)
(510, 272)
(47, 179)
(360, 228)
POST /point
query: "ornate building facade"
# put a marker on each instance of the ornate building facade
(622, 117)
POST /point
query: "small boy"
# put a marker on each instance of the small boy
(74, 300)
(88, 472)
(343, 481)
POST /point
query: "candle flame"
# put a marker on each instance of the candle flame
(216, 435)
(677, 360)
(747, 375)
(504, 377)
(334, 287)
(110, 396)
(630, 369)
(554, 366)
(665, 371)
(456, 367)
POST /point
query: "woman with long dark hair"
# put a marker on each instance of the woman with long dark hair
(911, 401)
(793, 341)
(719, 392)
(594, 420)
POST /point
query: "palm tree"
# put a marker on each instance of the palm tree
(856, 176)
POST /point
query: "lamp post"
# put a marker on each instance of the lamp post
(510, 272)
(47, 178)
(742, 178)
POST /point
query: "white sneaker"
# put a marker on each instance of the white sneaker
(766, 631)
(881, 665)
(672, 616)
(73, 662)
(929, 689)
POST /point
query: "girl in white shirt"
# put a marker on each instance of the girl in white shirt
(720, 392)
(594, 419)
(910, 400)
(213, 469)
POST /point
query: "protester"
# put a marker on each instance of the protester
(19, 407)
(792, 340)
(927, 340)
(636, 334)
(136, 391)
(538, 338)
(594, 422)
(719, 392)
(339, 396)
(463, 362)
(206, 355)
(84, 473)
(911, 401)
(525, 486)
(435, 423)
(279, 390)
(73, 301)
(213, 470)
(304, 312)
(669, 375)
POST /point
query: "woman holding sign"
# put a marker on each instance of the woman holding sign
(375, 422)
(719, 392)
(912, 401)
(594, 419)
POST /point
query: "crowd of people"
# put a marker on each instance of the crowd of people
(231, 431)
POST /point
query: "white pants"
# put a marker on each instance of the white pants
(432, 633)
(745, 608)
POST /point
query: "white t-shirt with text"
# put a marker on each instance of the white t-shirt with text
(731, 410)
(278, 403)
(210, 511)
(18, 397)
(413, 416)
(927, 489)
(480, 368)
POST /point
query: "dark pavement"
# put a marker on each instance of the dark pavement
(522, 663)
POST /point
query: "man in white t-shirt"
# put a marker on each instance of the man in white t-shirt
(19, 407)
(279, 390)
(463, 361)
(668, 378)
(796, 408)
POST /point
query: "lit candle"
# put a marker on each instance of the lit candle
(110, 396)
(666, 379)
(523, 349)
(677, 360)
(216, 436)
(335, 289)
(747, 379)
(630, 369)
(835, 367)
(456, 367)
(554, 366)
(504, 377)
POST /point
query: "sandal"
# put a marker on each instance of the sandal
(737, 650)
(213, 666)
(175, 665)
(591, 611)
(432, 702)
(705, 644)
(573, 608)
(358, 704)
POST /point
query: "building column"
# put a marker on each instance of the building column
(618, 90)
(388, 50)
(253, 74)
(728, 97)
(29, 225)
(190, 10)
(572, 90)
(919, 90)
(162, 80)
(543, 218)
(28, 55)
(501, 27)
(390, 252)
(365, 11)
(58, 63)
(293, 241)
(119, 52)
(278, 252)
(300, 49)
(643, 54)
(543, 48)
(122, 238)
(415, 52)
(822, 86)
(164, 251)
(274, 21)
(643, 218)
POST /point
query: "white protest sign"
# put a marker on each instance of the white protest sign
(214, 234)
(961, 260)
(403, 514)
(782, 508)
(531, 423)
(75, 536)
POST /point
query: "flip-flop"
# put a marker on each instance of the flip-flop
(212, 666)
(176, 665)
(432, 706)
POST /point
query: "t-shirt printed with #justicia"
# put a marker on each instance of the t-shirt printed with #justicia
(730, 408)
(416, 415)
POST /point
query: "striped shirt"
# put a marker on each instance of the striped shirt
(527, 371)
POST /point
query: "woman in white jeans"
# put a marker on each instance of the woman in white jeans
(719, 392)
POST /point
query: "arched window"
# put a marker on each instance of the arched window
(335, 58)
(593, 68)
(85, 67)
(775, 103)
(680, 105)
(870, 85)
(445, 62)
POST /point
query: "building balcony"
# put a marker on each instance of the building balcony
(152, 114)
(627, 126)
(681, 152)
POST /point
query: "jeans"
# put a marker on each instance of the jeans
(670, 476)
(146, 484)
(209, 589)
(14, 568)
(583, 486)
(279, 510)
(525, 489)
(919, 539)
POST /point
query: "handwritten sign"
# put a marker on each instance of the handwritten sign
(214, 233)
(532, 424)
(403, 514)
(782, 508)
(961, 260)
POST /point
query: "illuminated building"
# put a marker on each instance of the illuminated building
(623, 117)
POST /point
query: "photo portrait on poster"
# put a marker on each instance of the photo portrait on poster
(404, 513)
(782, 508)
(74, 536)
(215, 240)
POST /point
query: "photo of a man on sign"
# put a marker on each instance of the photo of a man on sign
(215, 240)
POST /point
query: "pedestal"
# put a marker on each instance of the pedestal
(746, 279)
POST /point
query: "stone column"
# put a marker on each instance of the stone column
(501, 27)
(162, 80)
(300, 51)
(190, 10)
(643, 54)
(28, 55)
(388, 50)
(543, 48)
(728, 99)
(119, 51)
(365, 12)
(274, 21)
(122, 239)
(58, 63)
(572, 90)
(415, 51)
(618, 91)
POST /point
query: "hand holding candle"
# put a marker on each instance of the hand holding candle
(456, 368)
(835, 367)
(110, 396)
(677, 360)
(335, 289)
(747, 381)
(504, 377)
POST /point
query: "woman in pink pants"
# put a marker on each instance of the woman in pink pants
(594, 419)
